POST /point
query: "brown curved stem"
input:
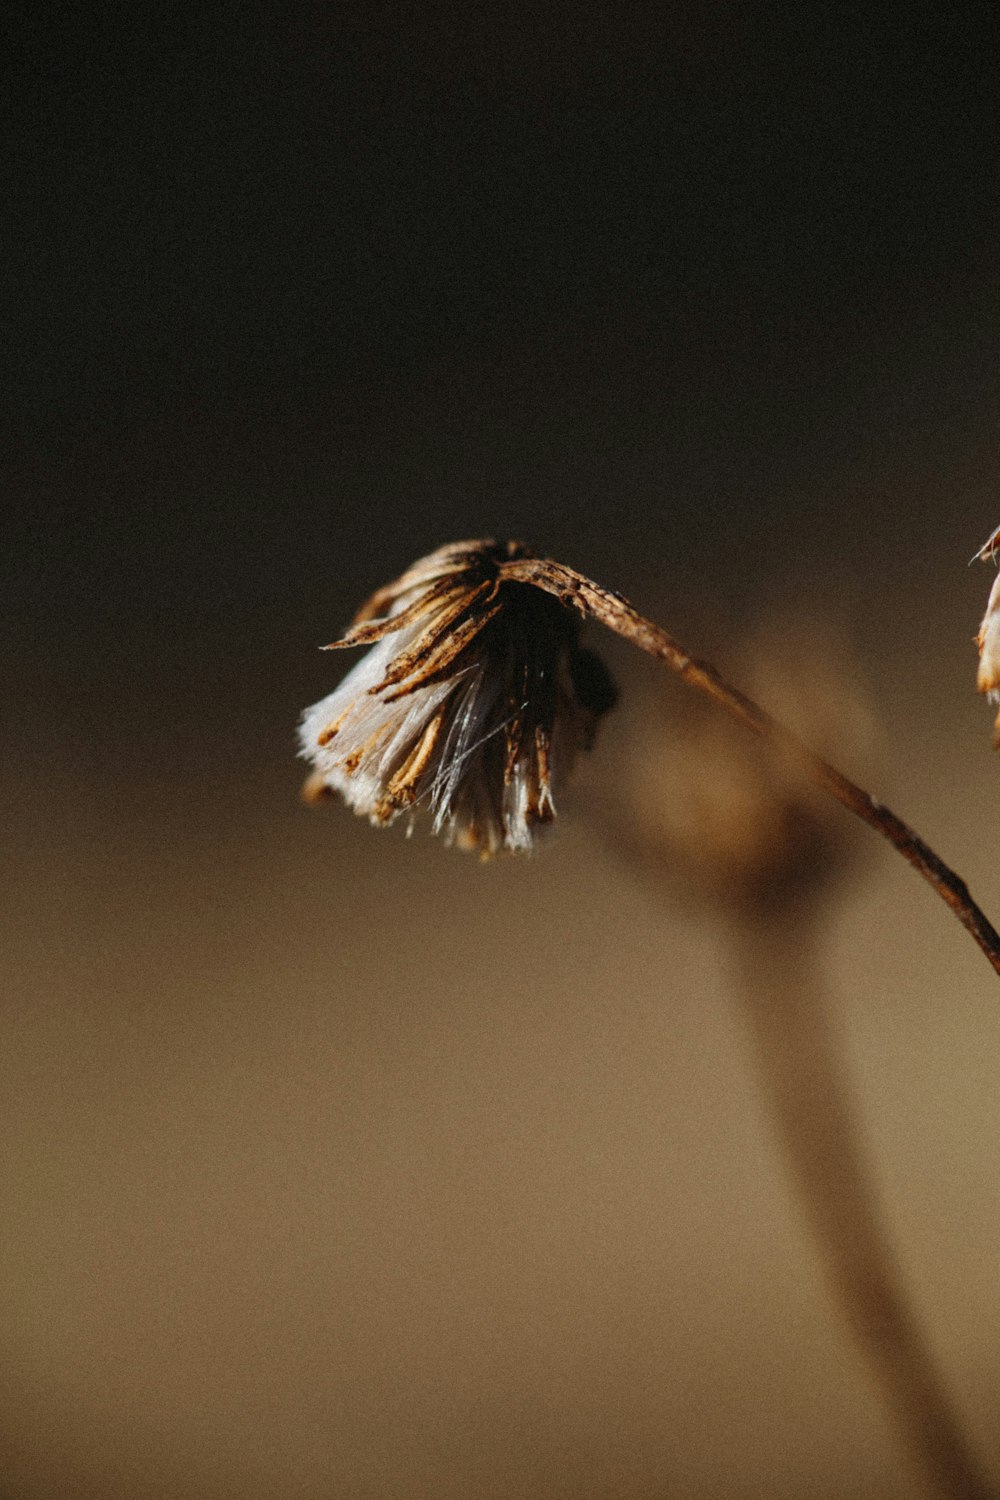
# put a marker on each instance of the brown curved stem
(617, 614)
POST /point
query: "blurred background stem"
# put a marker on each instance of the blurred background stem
(801, 1072)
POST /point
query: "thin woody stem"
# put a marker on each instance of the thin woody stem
(617, 614)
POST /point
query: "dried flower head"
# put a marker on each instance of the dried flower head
(988, 639)
(472, 703)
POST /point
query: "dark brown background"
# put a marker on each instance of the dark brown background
(340, 1165)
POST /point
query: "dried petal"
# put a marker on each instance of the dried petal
(989, 549)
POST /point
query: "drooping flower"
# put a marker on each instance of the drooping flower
(471, 704)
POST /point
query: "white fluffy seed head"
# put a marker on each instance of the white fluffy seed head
(988, 641)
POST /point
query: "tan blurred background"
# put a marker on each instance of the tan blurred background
(340, 1165)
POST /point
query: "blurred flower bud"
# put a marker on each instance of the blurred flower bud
(731, 817)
